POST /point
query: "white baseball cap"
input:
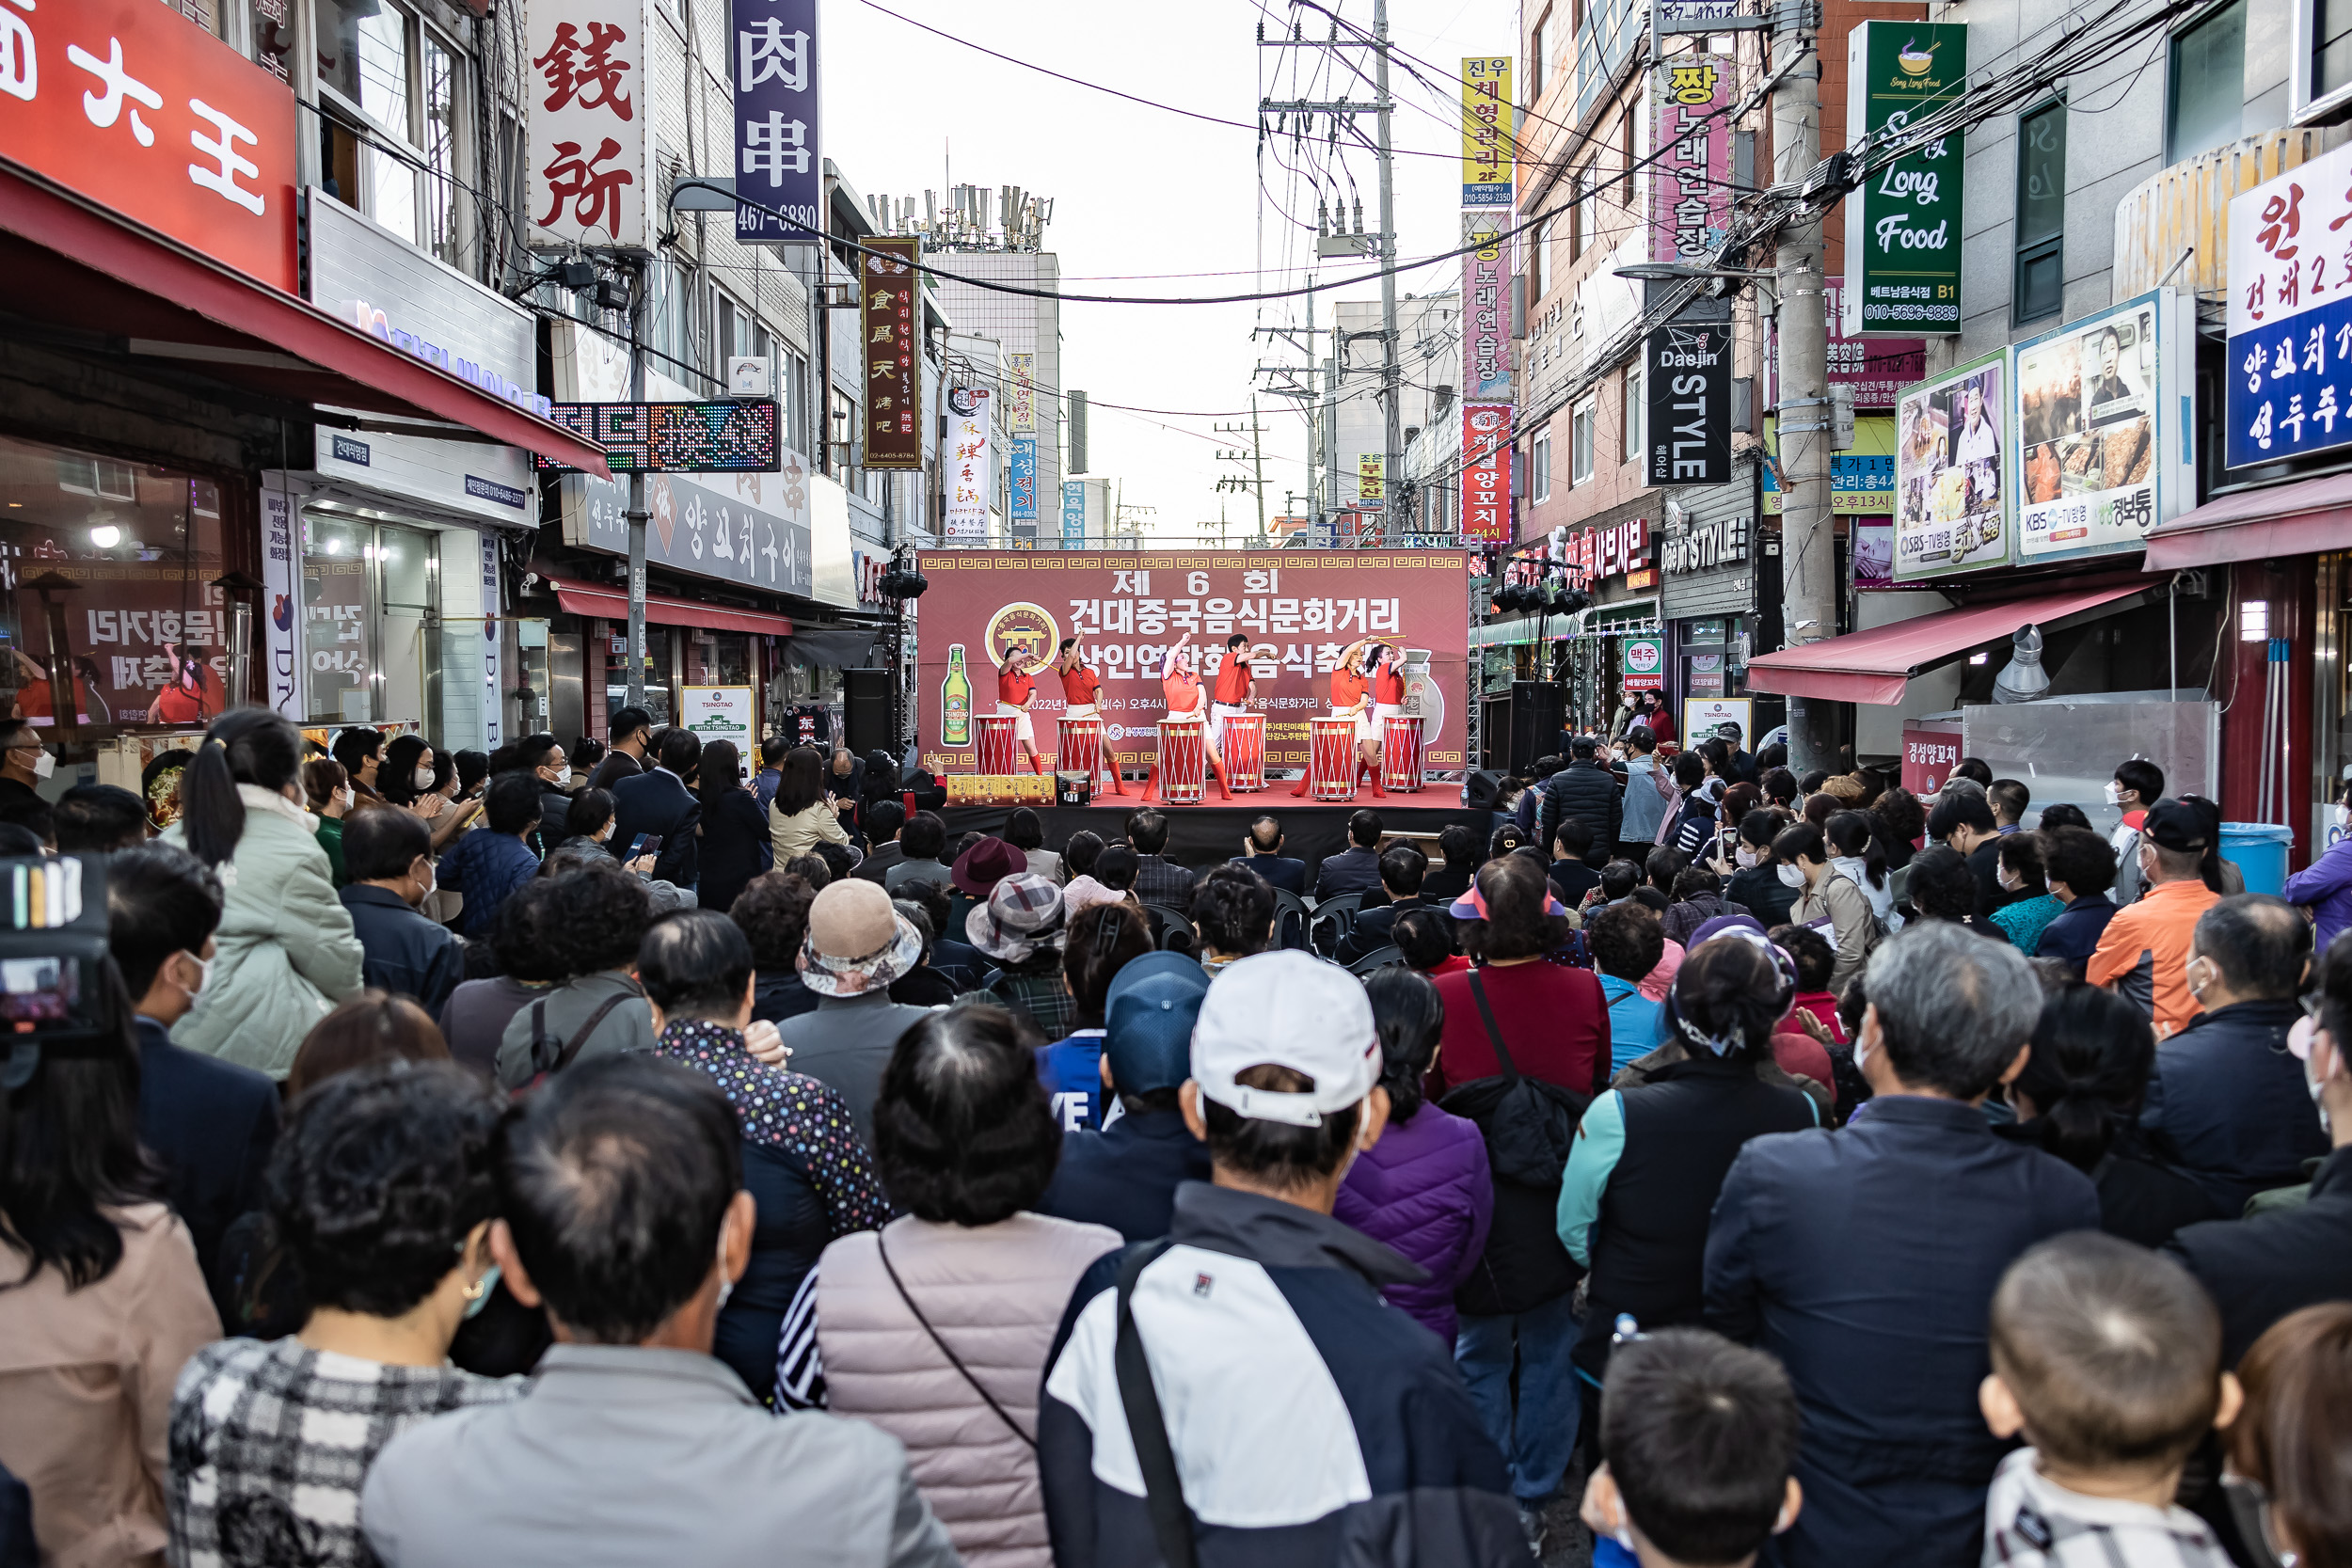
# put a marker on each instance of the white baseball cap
(1294, 1010)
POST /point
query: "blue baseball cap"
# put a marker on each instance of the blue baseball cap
(1149, 1017)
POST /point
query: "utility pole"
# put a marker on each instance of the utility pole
(638, 514)
(1254, 458)
(1392, 378)
(1808, 552)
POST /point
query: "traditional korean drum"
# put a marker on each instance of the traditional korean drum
(1245, 751)
(1081, 741)
(1183, 761)
(1400, 753)
(999, 747)
(1331, 759)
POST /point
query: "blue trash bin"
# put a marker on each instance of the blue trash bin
(2261, 852)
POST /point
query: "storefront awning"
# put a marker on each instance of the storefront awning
(612, 604)
(75, 265)
(1873, 665)
(2303, 518)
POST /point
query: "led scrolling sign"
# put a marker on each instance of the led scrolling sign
(742, 435)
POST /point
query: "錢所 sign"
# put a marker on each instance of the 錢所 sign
(1902, 225)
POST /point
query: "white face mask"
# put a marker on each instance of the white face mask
(1793, 876)
(425, 778)
(2344, 816)
(1746, 858)
(562, 776)
(2115, 793)
(43, 765)
(2009, 880)
(203, 974)
(348, 796)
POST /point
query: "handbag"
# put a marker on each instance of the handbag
(1529, 1125)
(539, 1036)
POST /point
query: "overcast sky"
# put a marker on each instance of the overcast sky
(1140, 191)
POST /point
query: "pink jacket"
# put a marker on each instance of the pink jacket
(995, 1294)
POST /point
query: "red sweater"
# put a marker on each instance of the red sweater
(1554, 1020)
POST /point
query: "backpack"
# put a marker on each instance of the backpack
(1529, 1125)
(542, 1043)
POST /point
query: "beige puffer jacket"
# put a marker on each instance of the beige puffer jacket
(995, 1294)
(1852, 930)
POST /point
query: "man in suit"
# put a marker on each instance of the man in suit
(661, 801)
(632, 733)
(388, 857)
(1402, 867)
(1158, 880)
(884, 819)
(770, 772)
(1262, 851)
(1355, 868)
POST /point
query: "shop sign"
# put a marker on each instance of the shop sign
(1487, 131)
(146, 113)
(720, 713)
(731, 436)
(588, 165)
(778, 164)
(1701, 714)
(1073, 512)
(1689, 181)
(970, 474)
(1686, 381)
(385, 286)
(1644, 663)
(281, 602)
(1486, 471)
(1903, 224)
(1952, 502)
(2105, 406)
(1931, 752)
(1872, 554)
(1703, 547)
(1024, 409)
(1486, 318)
(1861, 478)
(1603, 552)
(751, 530)
(492, 708)
(894, 374)
(1020, 474)
(1876, 370)
(1370, 469)
(2290, 315)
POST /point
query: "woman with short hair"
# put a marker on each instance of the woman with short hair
(936, 1327)
(1025, 831)
(802, 816)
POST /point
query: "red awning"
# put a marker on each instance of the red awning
(612, 604)
(2304, 518)
(72, 265)
(1873, 665)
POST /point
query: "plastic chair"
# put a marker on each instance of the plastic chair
(1292, 919)
(1160, 917)
(1333, 919)
(1379, 958)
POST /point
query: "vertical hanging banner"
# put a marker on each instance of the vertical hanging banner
(1073, 512)
(1021, 476)
(1902, 227)
(778, 164)
(894, 372)
(1686, 383)
(970, 474)
(589, 169)
(2290, 353)
(1370, 467)
(1487, 131)
(1689, 187)
(1486, 471)
(1023, 420)
(1486, 301)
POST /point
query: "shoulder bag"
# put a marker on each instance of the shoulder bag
(953, 1359)
(1155, 1456)
(540, 1039)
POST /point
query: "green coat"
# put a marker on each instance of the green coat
(285, 949)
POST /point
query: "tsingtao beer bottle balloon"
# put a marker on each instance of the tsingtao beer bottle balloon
(955, 700)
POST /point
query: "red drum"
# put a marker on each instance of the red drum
(1081, 746)
(1331, 759)
(999, 747)
(1245, 751)
(1400, 754)
(1183, 761)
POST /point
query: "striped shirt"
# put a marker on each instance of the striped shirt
(2032, 1522)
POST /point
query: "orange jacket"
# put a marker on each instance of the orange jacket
(2143, 955)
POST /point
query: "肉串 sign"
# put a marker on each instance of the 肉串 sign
(2289, 361)
(588, 165)
(2103, 406)
(1687, 384)
(1902, 225)
(1952, 501)
(778, 164)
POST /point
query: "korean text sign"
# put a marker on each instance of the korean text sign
(1487, 131)
(968, 465)
(141, 110)
(1486, 320)
(894, 376)
(1691, 181)
(1020, 478)
(2103, 406)
(777, 161)
(1299, 609)
(1486, 471)
(1952, 502)
(2290, 314)
(1903, 226)
(1686, 383)
(588, 164)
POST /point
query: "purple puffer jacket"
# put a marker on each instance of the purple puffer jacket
(1424, 1190)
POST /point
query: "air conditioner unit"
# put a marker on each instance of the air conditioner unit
(751, 375)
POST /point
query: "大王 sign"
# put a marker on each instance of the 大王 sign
(1903, 224)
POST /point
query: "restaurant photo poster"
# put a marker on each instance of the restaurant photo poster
(1299, 609)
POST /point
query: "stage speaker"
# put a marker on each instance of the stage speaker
(1537, 712)
(1482, 789)
(866, 711)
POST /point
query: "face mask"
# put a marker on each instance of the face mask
(203, 974)
(2344, 816)
(2009, 881)
(43, 765)
(429, 880)
(562, 776)
(348, 796)
(425, 778)
(2115, 793)
(726, 1286)
(1791, 876)
(489, 1283)
(1746, 859)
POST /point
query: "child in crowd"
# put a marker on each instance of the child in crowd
(2106, 1357)
(1815, 959)
(1696, 1438)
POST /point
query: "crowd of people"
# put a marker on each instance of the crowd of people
(598, 1158)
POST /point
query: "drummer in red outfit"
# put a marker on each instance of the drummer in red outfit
(1387, 695)
(1230, 699)
(1185, 700)
(1351, 698)
(1081, 688)
(1015, 686)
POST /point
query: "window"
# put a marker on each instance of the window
(1632, 422)
(1582, 229)
(1580, 444)
(2323, 57)
(795, 391)
(390, 149)
(370, 606)
(1538, 57)
(2039, 282)
(1539, 467)
(2205, 101)
(439, 229)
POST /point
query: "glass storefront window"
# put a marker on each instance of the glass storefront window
(656, 673)
(141, 630)
(718, 658)
(370, 621)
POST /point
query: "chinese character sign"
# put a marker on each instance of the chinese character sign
(1952, 499)
(968, 466)
(1024, 409)
(1021, 475)
(2098, 413)
(139, 109)
(1486, 307)
(1903, 226)
(1689, 187)
(2290, 314)
(779, 171)
(589, 180)
(1486, 471)
(890, 320)
(1487, 131)
(1298, 608)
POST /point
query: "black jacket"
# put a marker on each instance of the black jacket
(404, 952)
(876, 865)
(1759, 890)
(213, 1124)
(1374, 929)
(735, 848)
(2228, 1105)
(777, 995)
(2259, 1270)
(1588, 792)
(615, 766)
(555, 809)
(1126, 1176)
(1354, 869)
(1280, 871)
(1161, 881)
(658, 803)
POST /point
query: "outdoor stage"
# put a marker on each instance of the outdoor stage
(1204, 834)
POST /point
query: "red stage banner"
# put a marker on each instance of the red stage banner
(1298, 608)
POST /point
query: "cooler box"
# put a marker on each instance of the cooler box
(2261, 852)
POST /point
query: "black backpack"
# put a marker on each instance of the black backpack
(1529, 1125)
